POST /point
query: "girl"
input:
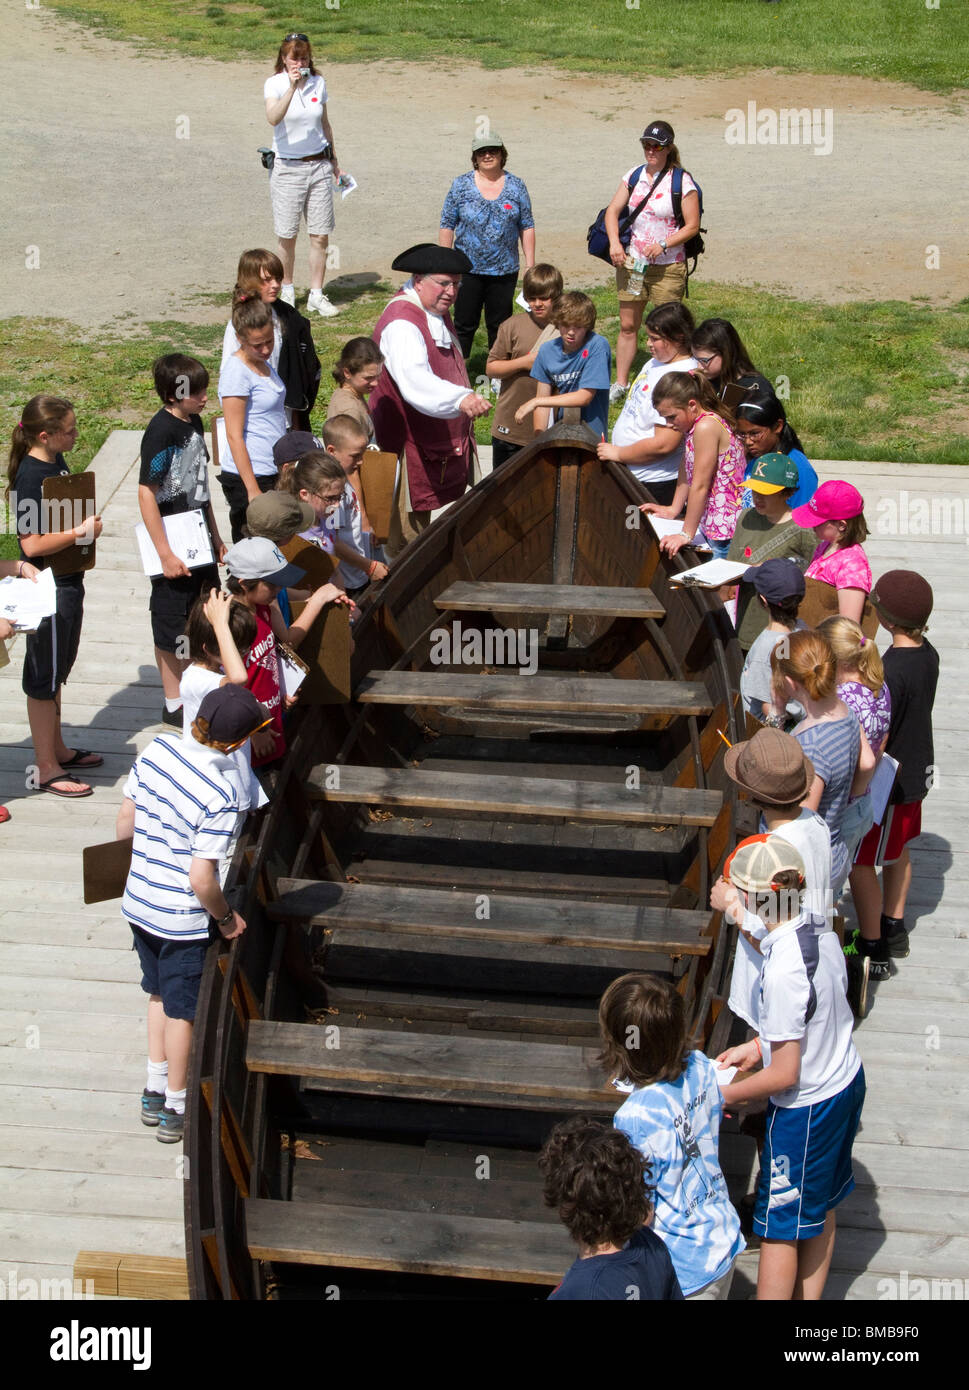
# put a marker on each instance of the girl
(356, 373)
(862, 686)
(722, 357)
(766, 531)
(836, 515)
(47, 431)
(712, 470)
(763, 426)
(804, 669)
(672, 1115)
(320, 480)
(260, 274)
(640, 439)
(252, 397)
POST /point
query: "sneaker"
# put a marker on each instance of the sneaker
(858, 966)
(151, 1105)
(288, 295)
(174, 717)
(897, 938)
(171, 1126)
(617, 393)
(318, 301)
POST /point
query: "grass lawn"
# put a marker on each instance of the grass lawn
(899, 39)
(867, 381)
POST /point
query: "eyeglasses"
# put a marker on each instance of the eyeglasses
(751, 434)
(704, 361)
(445, 284)
(303, 38)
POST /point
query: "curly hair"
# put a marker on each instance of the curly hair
(597, 1181)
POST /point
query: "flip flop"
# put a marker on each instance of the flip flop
(78, 760)
(51, 786)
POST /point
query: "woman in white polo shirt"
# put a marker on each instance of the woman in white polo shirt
(301, 183)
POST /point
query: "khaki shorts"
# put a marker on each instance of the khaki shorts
(663, 284)
(302, 189)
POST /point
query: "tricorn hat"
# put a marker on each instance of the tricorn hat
(427, 258)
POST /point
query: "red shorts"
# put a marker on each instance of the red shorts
(884, 843)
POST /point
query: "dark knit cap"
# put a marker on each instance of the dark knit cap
(903, 598)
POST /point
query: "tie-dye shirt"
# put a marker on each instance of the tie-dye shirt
(676, 1125)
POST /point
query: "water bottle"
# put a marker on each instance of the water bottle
(634, 284)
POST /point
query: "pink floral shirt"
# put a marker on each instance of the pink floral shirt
(656, 222)
(845, 569)
(719, 521)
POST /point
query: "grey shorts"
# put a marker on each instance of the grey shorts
(302, 188)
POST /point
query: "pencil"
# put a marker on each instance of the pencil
(724, 737)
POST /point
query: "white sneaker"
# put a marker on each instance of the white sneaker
(288, 295)
(617, 393)
(318, 301)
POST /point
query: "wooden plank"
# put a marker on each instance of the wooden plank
(408, 1242)
(101, 1268)
(513, 919)
(558, 1073)
(153, 1276)
(560, 694)
(428, 1093)
(541, 881)
(487, 947)
(384, 786)
(590, 599)
(365, 1003)
(510, 1199)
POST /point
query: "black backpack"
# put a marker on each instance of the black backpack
(694, 247)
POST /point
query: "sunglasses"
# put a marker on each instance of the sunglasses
(303, 38)
(651, 145)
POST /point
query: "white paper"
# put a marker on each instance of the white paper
(725, 1075)
(291, 675)
(188, 536)
(26, 604)
(346, 183)
(663, 527)
(712, 574)
(880, 786)
(521, 301)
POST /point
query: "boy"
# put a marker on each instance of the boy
(573, 369)
(596, 1179)
(903, 601)
(779, 588)
(353, 540)
(184, 806)
(512, 357)
(812, 1074)
(173, 478)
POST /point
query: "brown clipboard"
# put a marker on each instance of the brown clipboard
(106, 869)
(70, 499)
(378, 483)
(319, 566)
(820, 601)
(326, 647)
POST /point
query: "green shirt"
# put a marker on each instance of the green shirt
(755, 540)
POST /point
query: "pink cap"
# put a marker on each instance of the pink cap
(836, 501)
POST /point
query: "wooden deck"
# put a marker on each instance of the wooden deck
(79, 1171)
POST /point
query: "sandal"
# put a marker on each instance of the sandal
(51, 786)
(83, 757)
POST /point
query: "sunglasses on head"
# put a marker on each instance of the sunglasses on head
(303, 38)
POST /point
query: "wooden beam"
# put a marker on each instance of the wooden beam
(581, 694)
(589, 599)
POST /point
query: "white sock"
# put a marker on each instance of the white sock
(157, 1077)
(175, 1100)
(173, 705)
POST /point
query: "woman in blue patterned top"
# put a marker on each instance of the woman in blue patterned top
(486, 213)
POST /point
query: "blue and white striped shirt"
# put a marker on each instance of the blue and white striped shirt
(187, 806)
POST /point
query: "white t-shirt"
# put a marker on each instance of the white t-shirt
(265, 412)
(802, 998)
(196, 683)
(811, 838)
(231, 344)
(639, 419)
(300, 132)
(348, 528)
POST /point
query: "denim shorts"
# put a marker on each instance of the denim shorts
(171, 969)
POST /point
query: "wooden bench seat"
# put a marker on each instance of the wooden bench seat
(471, 1011)
(559, 694)
(588, 599)
(537, 796)
(604, 886)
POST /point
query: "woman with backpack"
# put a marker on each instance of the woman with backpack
(657, 239)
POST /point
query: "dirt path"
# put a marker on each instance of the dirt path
(125, 216)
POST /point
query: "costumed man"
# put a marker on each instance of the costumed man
(423, 407)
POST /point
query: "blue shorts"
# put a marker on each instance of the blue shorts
(806, 1163)
(171, 969)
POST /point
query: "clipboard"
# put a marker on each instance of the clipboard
(72, 495)
(820, 601)
(106, 869)
(319, 566)
(326, 651)
(378, 483)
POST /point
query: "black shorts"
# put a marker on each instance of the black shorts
(171, 969)
(171, 601)
(52, 650)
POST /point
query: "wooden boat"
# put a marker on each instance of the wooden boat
(453, 866)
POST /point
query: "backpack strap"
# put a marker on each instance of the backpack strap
(678, 195)
(629, 218)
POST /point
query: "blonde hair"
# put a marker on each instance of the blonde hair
(854, 651)
(807, 658)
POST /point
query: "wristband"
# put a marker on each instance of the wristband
(371, 567)
(757, 1045)
(224, 921)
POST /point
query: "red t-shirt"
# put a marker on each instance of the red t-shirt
(263, 681)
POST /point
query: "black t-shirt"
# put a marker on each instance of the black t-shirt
(174, 461)
(641, 1270)
(32, 515)
(912, 674)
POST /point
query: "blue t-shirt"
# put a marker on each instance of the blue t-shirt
(488, 228)
(589, 367)
(265, 413)
(641, 1270)
(676, 1124)
(807, 481)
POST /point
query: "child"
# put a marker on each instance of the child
(46, 431)
(252, 397)
(174, 478)
(778, 588)
(672, 1115)
(597, 1181)
(353, 538)
(773, 772)
(812, 1075)
(576, 366)
(13, 569)
(903, 601)
(258, 570)
(836, 515)
(641, 439)
(318, 479)
(764, 428)
(712, 470)
(356, 373)
(513, 355)
(764, 531)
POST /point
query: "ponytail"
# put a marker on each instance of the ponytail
(249, 314)
(806, 657)
(854, 651)
(682, 387)
(41, 415)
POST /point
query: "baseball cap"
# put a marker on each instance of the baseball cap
(259, 558)
(659, 133)
(776, 580)
(493, 141)
(292, 446)
(756, 862)
(278, 516)
(772, 767)
(834, 501)
(773, 473)
(228, 716)
(903, 598)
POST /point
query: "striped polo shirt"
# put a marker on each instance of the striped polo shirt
(187, 806)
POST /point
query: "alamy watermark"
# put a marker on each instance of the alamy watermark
(767, 125)
(494, 646)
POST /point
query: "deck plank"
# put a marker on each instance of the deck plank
(564, 599)
(581, 694)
